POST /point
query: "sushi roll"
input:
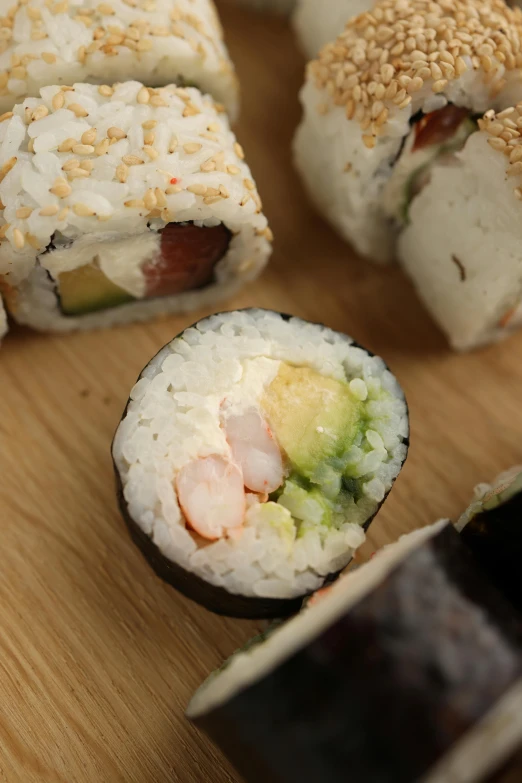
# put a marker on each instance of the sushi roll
(316, 25)
(254, 451)
(407, 669)
(368, 96)
(122, 203)
(155, 42)
(492, 528)
(460, 245)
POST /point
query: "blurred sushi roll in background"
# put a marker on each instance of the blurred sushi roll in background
(254, 451)
(492, 528)
(316, 24)
(415, 644)
(156, 43)
(121, 203)
(369, 95)
(461, 242)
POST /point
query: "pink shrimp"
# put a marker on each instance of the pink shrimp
(212, 496)
(256, 451)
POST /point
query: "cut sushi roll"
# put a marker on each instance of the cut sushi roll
(492, 528)
(408, 668)
(461, 244)
(254, 451)
(123, 203)
(154, 42)
(318, 25)
(391, 69)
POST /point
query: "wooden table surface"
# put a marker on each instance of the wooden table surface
(98, 658)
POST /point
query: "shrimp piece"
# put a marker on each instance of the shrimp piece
(212, 496)
(256, 451)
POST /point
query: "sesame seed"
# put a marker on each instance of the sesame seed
(105, 9)
(77, 173)
(238, 149)
(83, 149)
(102, 147)
(171, 189)
(157, 101)
(116, 133)
(82, 210)
(208, 165)
(70, 164)
(50, 210)
(18, 238)
(173, 144)
(89, 136)
(132, 160)
(61, 188)
(192, 147)
(87, 165)
(149, 199)
(143, 96)
(496, 143)
(440, 85)
(135, 202)
(62, 214)
(6, 116)
(3, 229)
(78, 109)
(49, 57)
(39, 113)
(149, 137)
(23, 212)
(232, 169)
(160, 198)
(149, 124)
(6, 168)
(199, 190)
(105, 90)
(58, 101)
(122, 172)
(152, 152)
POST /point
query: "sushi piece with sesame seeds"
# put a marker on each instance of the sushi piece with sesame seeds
(401, 86)
(153, 41)
(461, 244)
(123, 206)
(315, 29)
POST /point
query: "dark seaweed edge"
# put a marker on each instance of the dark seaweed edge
(214, 598)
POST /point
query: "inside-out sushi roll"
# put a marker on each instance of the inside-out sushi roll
(122, 203)
(492, 528)
(461, 241)
(154, 42)
(318, 24)
(407, 669)
(401, 75)
(254, 450)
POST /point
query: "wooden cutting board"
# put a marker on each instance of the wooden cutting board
(98, 658)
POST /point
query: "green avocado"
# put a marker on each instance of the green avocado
(87, 289)
(313, 418)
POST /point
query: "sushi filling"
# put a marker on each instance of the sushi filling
(434, 135)
(256, 463)
(181, 257)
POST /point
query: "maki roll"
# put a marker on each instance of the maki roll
(122, 203)
(413, 645)
(492, 528)
(254, 451)
(461, 241)
(405, 77)
(154, 42)
(316, 27)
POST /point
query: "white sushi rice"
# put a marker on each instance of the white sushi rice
(506, 484)
(461, 247)
(108, 168)
(154, 41)
(316, 24)
(250, 666)
(345, 163)
(173, 417)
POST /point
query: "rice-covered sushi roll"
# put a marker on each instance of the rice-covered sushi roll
(492, 528)
(122, 203)
(157, 42)
(318, 24)
(392, 69)
(461, 243)
(414, 645)
(254, 451)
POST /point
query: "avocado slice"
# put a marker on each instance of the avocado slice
(87, 289)
(313, 418)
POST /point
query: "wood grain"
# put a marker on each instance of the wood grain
(97, 657)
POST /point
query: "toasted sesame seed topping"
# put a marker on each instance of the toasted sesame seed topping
(504, 132)
(387, 55)
(131, 160)
(18, 238)
(50, 210)
(116, 133)
(192, 147)
(23, 212)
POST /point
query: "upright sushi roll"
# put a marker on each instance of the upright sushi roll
(492, 528)
(153, 42)
(409, 668)
(461, 241)
(121, 203)
(254, 451)
(370, 93)
(316, 24)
